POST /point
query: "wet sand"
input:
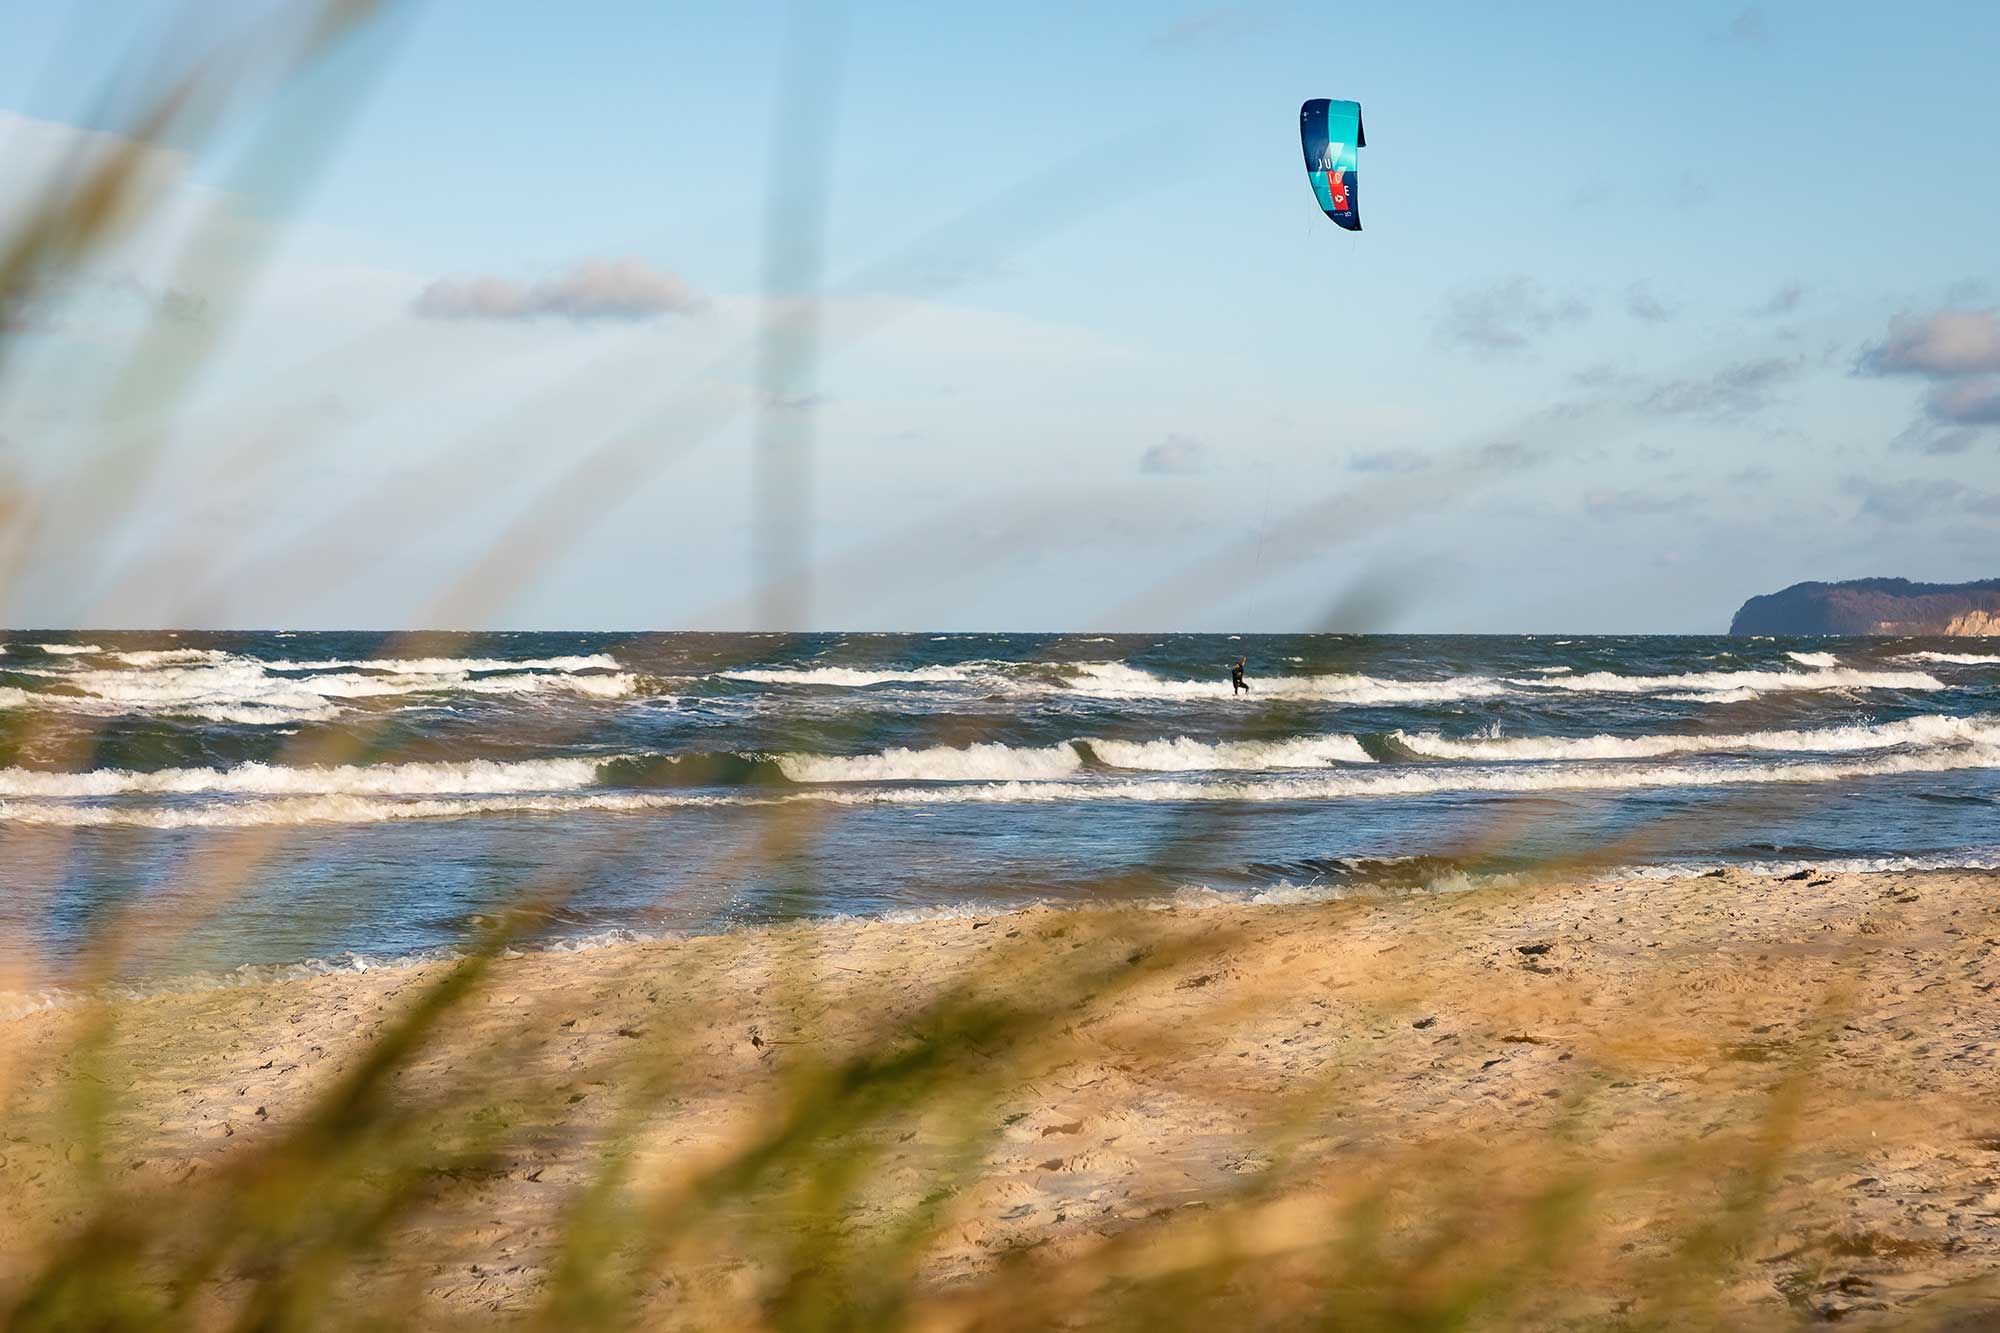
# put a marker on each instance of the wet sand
(1822, 1045)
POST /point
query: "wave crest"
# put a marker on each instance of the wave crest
(1182, 754)
(850, 677)
(476, 775)
(1738, 685)
(942, 763)
(1116, 680)
(1324, 786)
(231, 688)
(1928, 730)
(1953, 659)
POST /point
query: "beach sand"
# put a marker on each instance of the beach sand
(1722, 1100)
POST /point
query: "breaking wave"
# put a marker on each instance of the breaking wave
(478, 775)
(1954, 659)
(851, 677)
(224, 687)
(1181, 754)
(991, 762)
(454, 665)
(1337, 784)
(987, 762)
(1115, 680)
(1739, 685)
(1930, 730)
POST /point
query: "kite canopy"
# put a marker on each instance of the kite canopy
(1330, 132)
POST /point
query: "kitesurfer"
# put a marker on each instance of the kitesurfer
(1236, 677)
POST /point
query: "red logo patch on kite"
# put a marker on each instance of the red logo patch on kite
(1336, 188)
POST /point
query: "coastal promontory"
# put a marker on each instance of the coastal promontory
(1874, 606)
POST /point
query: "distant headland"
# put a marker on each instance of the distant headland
(1874, 606)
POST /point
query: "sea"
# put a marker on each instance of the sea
(236, 805)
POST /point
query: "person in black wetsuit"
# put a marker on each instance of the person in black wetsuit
(1236, 677)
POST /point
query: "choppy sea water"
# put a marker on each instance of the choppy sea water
(269, 799)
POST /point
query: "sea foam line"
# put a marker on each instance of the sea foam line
(852, 677)
(995, 762)
(243, 690)
(1319, 786)
(1182, 754)
(1116, 680)
(255, 779)
(1925, 730)
(1739, 684)
(942, 763)
(1953, 659)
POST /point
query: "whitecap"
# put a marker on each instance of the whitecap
(476, 775)
(1182, 754)
(1739, 684)
(852, 677)
(983, 762)
(1929, 730)
(1329, 785)
(1954, 659)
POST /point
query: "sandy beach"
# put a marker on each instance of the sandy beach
(1447, 1055)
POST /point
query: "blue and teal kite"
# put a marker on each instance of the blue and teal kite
(1330, 132)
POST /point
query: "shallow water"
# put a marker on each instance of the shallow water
(325, 794)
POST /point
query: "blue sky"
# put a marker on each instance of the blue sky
(1655, 308)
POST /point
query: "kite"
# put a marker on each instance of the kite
(1330, 132)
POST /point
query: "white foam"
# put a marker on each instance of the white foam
(1202, 897)
(151, 657)
(1739, 684)
(959, 911)
(1322, 786)
(69, 649)
(228, 688)
(453, 665)
(471, 776)
(943, 763)
(1973, 859)
(1182, 754)
(336, 809)
(1555, 671)
(1953, 659)
(1116, 680)
(1379, 782)
(852, 677)
(990, 762)
(1814, 659)
(1926, 730)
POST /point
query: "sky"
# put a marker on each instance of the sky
(485, 316)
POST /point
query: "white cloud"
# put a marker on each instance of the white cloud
(595, 289)
(1939, 345)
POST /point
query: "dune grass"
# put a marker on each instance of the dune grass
(349, 1212)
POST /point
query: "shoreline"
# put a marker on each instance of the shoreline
(1187, 1048)
(15, 1005)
